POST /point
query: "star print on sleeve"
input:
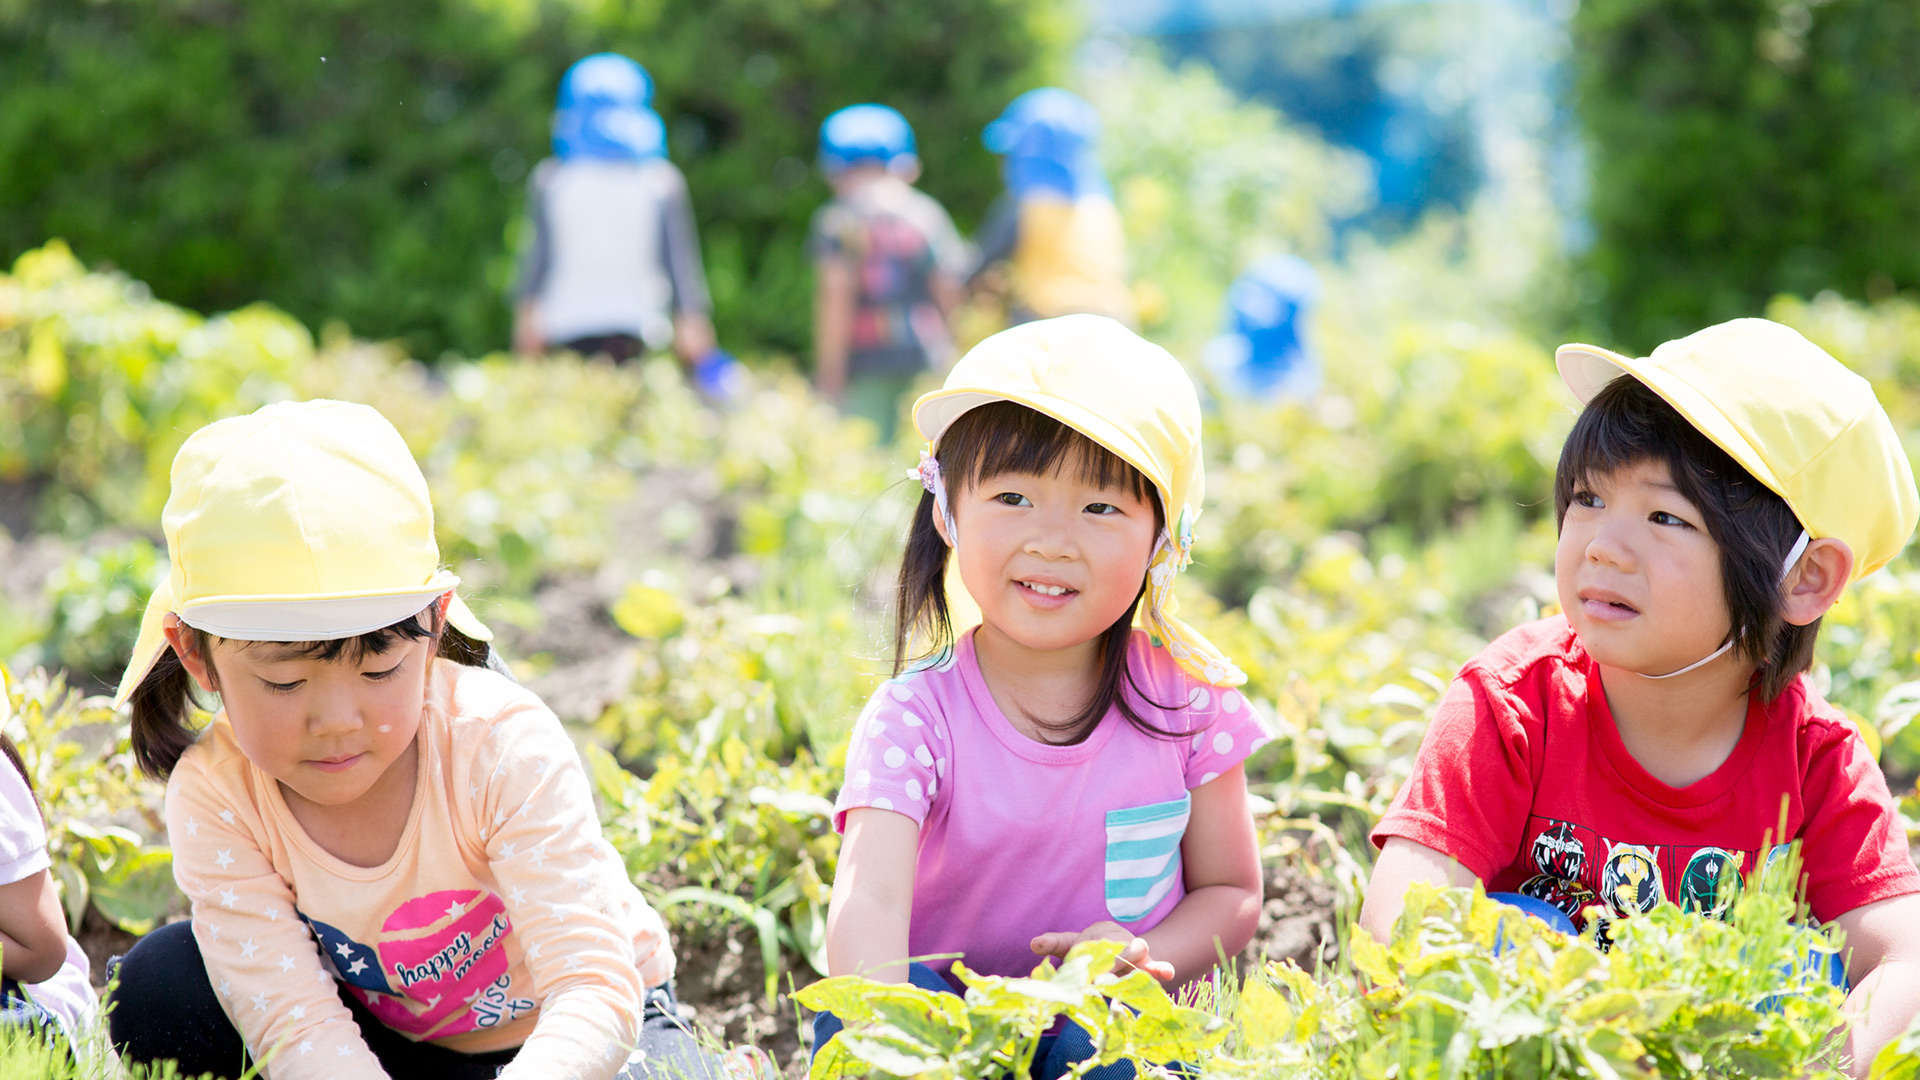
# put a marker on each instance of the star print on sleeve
(224, 858)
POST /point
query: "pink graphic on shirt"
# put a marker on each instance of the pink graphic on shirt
(441, 952)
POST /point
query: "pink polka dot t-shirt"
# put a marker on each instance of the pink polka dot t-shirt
(1019, 838)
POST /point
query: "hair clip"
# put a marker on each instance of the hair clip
(928, 472)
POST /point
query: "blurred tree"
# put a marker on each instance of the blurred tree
(1746, 148)
(363, 161)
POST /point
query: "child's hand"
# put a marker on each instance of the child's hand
(1134, 956)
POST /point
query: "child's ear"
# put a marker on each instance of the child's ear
(1817, 580)
(186, 646)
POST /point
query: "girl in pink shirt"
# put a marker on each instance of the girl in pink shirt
(1052, 775)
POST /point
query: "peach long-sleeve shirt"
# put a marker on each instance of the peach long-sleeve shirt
(502, 919)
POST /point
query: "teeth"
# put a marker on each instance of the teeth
(1046, 590)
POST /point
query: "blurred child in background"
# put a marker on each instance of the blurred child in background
(1263, 354)
(43, 973)
(887, 268)
(614, 264)
(1055, 229)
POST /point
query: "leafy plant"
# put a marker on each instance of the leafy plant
(898, 1030)
(101, 819)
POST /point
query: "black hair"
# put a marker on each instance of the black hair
(1627, 423)
(989, 440)
(164, 701)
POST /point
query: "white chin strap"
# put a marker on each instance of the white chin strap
(1793, 556)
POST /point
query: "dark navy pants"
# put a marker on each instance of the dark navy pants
(164, 1009)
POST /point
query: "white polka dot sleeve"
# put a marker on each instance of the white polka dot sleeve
(897, 756)
(1226, 729)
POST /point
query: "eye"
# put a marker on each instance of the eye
(1102, 508)
(1588, 499)
(1661, 517)
(378, 676)
(282, 687)
(1012, 498)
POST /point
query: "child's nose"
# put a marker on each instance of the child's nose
(1609, 545)
(334, 714)
(1053, 539)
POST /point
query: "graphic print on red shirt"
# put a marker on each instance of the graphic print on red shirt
(1523, 779)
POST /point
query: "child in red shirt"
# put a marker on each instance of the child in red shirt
(1714, 500)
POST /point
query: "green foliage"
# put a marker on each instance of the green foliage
(26, 1056)
(99, 384)
(1207, 184)
(1742, 150)
(361, 161)
(724, 827)
(100, 818)
(896, 1030)
(97, 602)
(1541, 1004)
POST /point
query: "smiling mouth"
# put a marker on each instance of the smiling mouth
(1046, 590)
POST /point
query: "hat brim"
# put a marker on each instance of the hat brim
(936, 411)
(289, 618)
(1587, 369)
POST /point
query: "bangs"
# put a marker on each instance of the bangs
(351, 649)
(1002, 437)
(1625, 424)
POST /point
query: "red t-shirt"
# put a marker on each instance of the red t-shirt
(1523, 779)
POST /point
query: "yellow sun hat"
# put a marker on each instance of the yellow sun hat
(303, 521)
(1790, 414)
(1126, 394)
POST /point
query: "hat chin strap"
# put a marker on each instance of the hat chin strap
(1793, 556)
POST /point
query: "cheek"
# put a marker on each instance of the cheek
(1694, 576)
(266, 730)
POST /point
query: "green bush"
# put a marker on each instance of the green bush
(1743, 149)
(361, 161)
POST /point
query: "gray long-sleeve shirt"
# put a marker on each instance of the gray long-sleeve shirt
(614, 250)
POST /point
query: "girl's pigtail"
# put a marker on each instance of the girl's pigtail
(920, 615)
(461, 649)
(162, 707)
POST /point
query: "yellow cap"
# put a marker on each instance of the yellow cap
(304, 521)
(1790, 414)
(1126, 394)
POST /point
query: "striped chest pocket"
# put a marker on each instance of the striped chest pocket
(1143, 855)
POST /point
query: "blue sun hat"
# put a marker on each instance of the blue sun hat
(603, 112)
(1261, 352)
(868, 132)
(1049, 137)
